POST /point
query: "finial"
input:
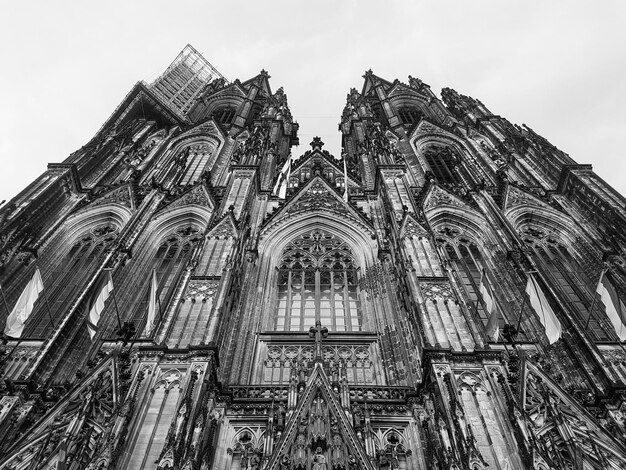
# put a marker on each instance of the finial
(317, 143)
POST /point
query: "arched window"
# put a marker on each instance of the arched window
(224, 114)
(244, 453)
(468, 264)
(170, 261)
(571, 279)
(442, 162)
(68, 277)
(317, 280)
(409, 115)
(195, 158)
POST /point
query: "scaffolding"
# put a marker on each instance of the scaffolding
(184, 80)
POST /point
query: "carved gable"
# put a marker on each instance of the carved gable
(558, 420)
(87, 410)
(119, 195)
(317, 195)
(437, 196)
(225, 228)
(412, 228)
(319, 422)
(196, 196)
(517, 197)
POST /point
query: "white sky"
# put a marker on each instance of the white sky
(557, 66)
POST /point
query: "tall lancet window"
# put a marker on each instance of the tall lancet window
(571, 279)
(317, 280)
(467, 261)
(69, 277)
(171, 259)
(196, 160)
(442, 163)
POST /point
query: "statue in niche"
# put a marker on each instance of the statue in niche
(285, 462)
(319, 460)
(382, 460)
(180, 419)
(299, 453)
(415, 83)
(337, 455)
(239, 152)
(255, 461)
(303, 425)
(318, 420)
(181, 158)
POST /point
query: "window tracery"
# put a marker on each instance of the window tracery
(195, 159)
(442, 162)
(571, 279)
(355, 362)
(224, 114)
(68, 277)
(409, 115)
(172, 255)
(467, 260)
(317, 280)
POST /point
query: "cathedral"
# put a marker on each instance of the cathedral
(189, 290)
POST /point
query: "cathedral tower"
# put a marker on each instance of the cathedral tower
(445, 294)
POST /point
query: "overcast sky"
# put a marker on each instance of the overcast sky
(557, 66)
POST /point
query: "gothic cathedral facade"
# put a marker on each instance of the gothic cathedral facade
(369, 310)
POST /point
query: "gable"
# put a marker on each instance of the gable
(549, 409)
(438, 196)
(319, 421)
(516, 197)
(225, 228)
(412, 228)
(120, 195)
(316, 196)
(89, 408)
(198, 195)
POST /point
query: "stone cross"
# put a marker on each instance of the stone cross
(318, 332)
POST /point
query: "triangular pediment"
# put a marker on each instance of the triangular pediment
(121, 195)
(318, 196)
(425, 127)
(400, 89)
(198, 195)
(326, 159)
(318, 421)
(412, 228)
(548, 407)
(371, 80)
(222, 89)
(516, 197)
(225, 228)
(92, 403)
(205, 128)
(438, 196)
(262, 80)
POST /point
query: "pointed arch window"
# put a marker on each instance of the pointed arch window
(224, 114)
(409, 115)
(68, 277)
(317, 280)
(196, 160)
(170, 261)
(468, 263)
(442, 163)
(571, 279)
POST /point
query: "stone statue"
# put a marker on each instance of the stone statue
(319, 460)
(255, 461)
(285, 462)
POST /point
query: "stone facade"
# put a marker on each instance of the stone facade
(312, 313)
